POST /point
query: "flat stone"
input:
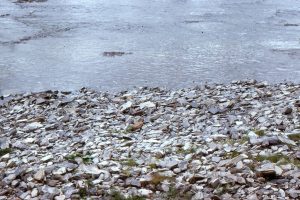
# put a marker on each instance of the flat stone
(145, 192)
(47, 158)
(33, 126)
(147, 104)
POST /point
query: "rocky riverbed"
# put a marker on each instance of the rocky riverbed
(235, 141)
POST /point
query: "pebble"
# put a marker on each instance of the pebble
(39, 175)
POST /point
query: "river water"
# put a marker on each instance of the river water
(61, 44)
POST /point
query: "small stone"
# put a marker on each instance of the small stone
(278, 171)
(34, 192)
(241, 180)
(281, 192)
(33, 126)
(287, 111)
(269, 170)
(61, 197)
(198, 196)
(115, 169)
(252, 197)
(29, 140)
(50, 190)
(39, 175)
(47, 158)
(215, 182)
(239, 165)
(4, 143)
(169, 163)
(126, 106)
(185, 123)
(60, 171)
(294, 193)
(145, 192)
(147, 104)
(216, 159)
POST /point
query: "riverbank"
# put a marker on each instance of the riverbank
(235, 141)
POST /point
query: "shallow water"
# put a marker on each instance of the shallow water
(62, 44)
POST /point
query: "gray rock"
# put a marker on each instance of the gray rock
(4, 143)
(39, 175)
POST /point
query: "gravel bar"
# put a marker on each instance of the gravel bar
(217, 141)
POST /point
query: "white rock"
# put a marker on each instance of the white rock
(29, 140)
(115, 169)
(239, 165)
(278, 170)
(47, 158)
(61, 197)
(60, 171)
(34, 192)
(145, 192)
(33, 126)
(147, 104)
(126, 105)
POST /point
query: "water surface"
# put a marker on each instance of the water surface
(60, 44)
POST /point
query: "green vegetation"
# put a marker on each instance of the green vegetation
(129, 129)
(157, 178)
(83, 192)
(260, 132)
(5, 151)
(175, 194)
(180, 150)
(130, 162)
(278, 158)
(172, 193)
(232, 154)
(86, 159)
(223, 188)
(295, 137)
(152, 166)
(230, 141)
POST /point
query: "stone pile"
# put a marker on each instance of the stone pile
(235, 141)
